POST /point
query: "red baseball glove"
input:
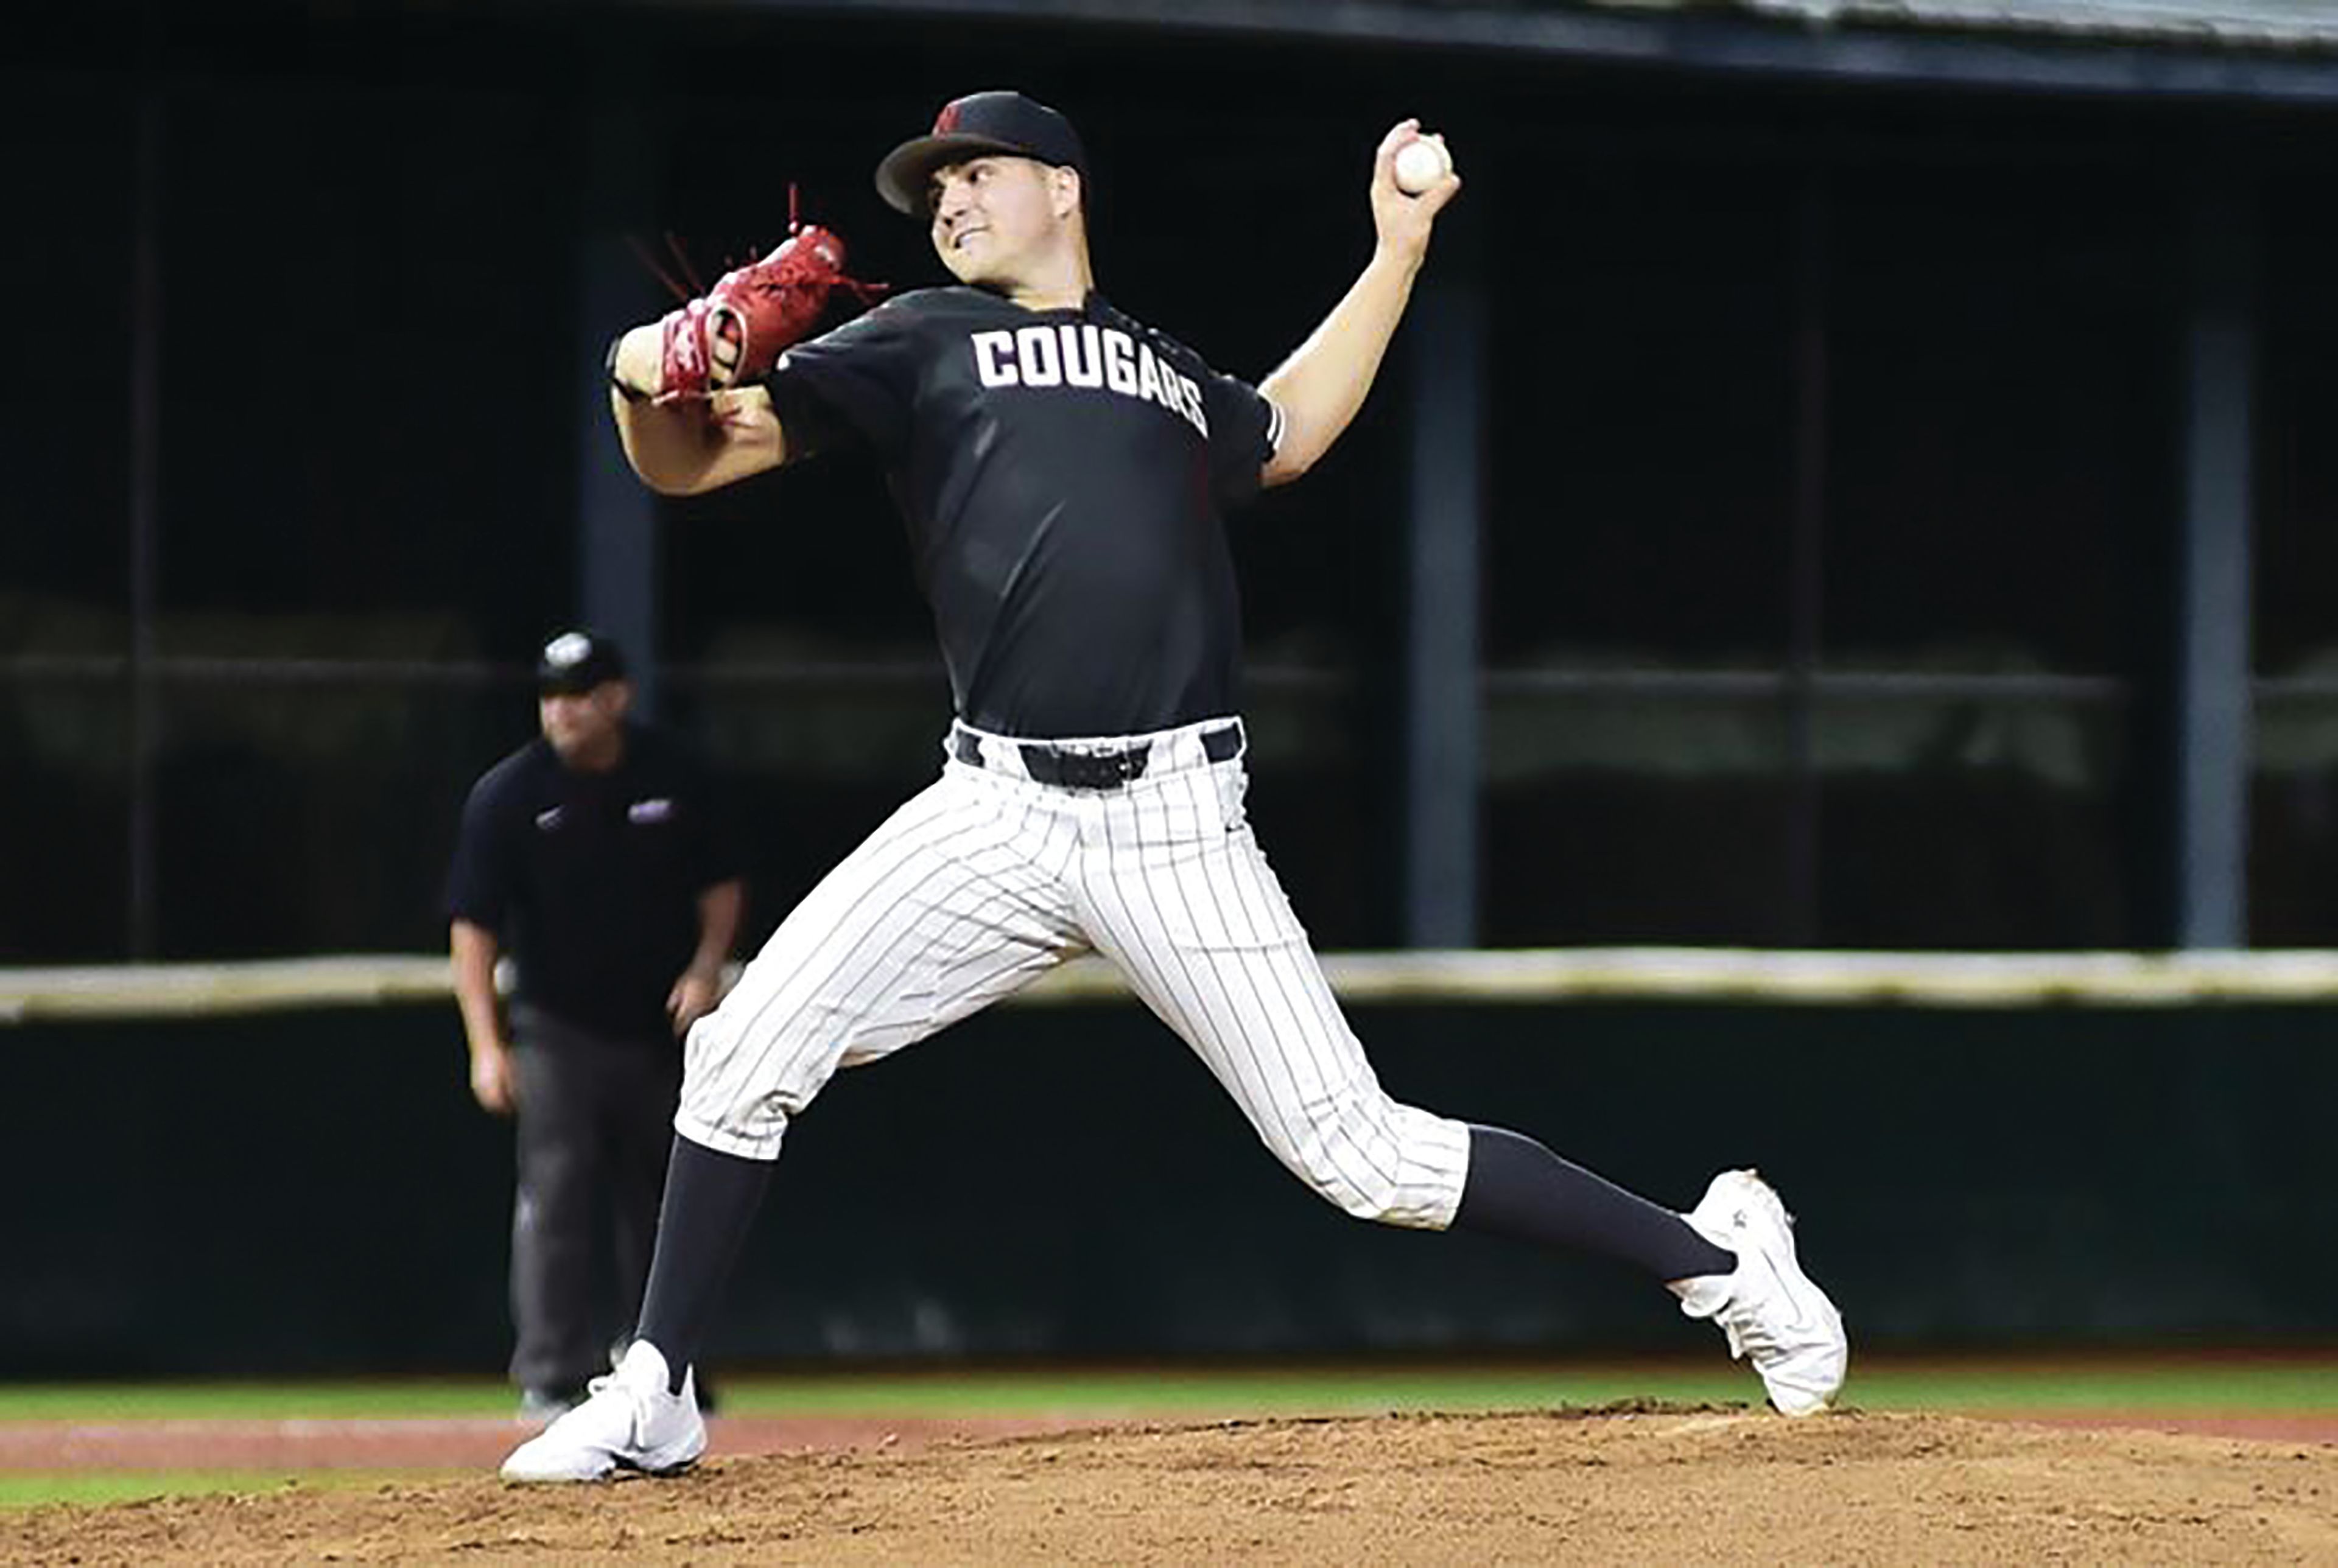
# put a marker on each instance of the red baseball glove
(736, 330)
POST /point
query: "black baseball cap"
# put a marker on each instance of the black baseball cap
(578, 662)
(970, 126)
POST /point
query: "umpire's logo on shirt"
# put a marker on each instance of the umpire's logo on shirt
(1085, 355)
(548, 819)
(655, 810)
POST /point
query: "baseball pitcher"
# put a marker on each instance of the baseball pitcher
(1064, 472)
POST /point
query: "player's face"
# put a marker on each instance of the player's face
(584, 727)
(996, 220)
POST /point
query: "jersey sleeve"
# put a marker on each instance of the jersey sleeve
(852, 386)
(479, 882)
(1245, 428)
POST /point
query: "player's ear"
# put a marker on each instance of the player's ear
(1065, 181)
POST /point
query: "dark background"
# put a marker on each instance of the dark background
(364, 226)
(1062, 1182)
(346, 248)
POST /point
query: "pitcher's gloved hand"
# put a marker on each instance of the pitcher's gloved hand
(736, 330)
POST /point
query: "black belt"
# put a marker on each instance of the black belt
(1070, 768)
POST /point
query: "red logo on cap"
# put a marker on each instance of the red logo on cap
(946, 121)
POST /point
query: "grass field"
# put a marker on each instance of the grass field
(2260, 1382)
(2189, 1383)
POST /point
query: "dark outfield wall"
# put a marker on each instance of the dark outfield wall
(314, 1191)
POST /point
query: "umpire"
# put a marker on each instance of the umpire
(597, 857)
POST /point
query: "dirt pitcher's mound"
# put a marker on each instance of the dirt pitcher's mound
(1650, 1484)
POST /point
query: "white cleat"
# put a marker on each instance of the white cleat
(1771, 1313)
(628, 1422)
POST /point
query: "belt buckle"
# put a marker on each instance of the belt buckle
(1097, 769)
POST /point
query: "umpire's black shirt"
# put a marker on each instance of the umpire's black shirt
(1064, 476)
(591, 880)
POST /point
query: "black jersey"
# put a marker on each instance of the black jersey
(1064, 475)
(591, 880)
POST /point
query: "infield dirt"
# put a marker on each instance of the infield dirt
(1644, 1484)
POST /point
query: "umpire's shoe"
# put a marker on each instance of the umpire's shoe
(1771, 1313)
(629, 1423)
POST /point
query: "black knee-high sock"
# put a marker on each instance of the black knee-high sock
(711, 1198)
(1519, 1187)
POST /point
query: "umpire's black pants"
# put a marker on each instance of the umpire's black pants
(596, 1124)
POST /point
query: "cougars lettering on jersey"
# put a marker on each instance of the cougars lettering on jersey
(1087, 357)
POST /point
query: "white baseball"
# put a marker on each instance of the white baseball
(1420, 164)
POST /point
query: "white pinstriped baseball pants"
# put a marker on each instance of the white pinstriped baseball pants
(987, 879)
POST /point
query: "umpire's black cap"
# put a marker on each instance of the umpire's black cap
(970, 126)
(578, 662)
